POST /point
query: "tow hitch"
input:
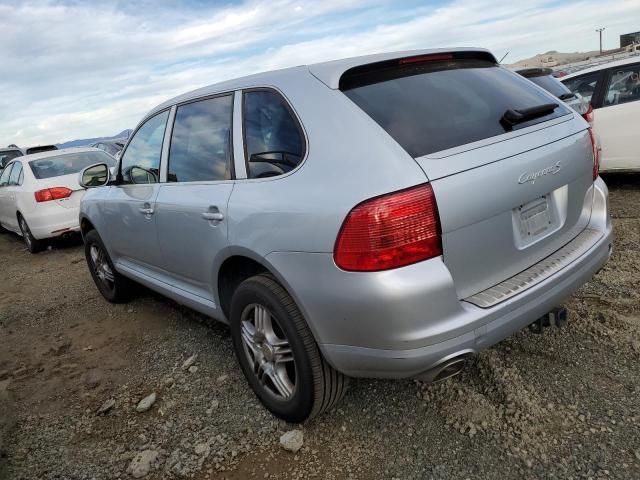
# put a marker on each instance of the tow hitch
(556, 318)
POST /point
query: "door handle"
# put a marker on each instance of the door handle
(146, 211)
(213, 216)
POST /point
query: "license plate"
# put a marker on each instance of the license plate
(535, 218)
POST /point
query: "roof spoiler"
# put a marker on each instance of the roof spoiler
(361, 75)
(331, 73)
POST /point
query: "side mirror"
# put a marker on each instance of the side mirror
(95, 176)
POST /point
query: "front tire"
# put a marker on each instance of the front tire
(278, 354)
(114, 287)
(33, 245)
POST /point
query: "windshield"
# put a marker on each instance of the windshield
(6, 157)
(439, 105)
(553, 86)
(58, 165)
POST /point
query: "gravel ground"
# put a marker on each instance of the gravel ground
(565, 404)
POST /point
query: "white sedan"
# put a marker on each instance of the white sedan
(613, 89)
(40, 194)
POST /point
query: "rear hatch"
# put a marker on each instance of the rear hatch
(510, 165)
(60, 172)
(68, 181)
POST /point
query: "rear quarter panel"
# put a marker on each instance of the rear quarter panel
(349, 159)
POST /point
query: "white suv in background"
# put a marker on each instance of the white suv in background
(614, 92)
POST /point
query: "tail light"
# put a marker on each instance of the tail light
(53, 193)
(390, 231)
(588, 115)
(596, 154)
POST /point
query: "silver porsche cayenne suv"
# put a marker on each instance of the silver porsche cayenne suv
(379, 216)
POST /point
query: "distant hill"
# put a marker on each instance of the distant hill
(552, 58)
(88, 141)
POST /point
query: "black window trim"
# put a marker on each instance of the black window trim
(299, 126)
(230, 93)
(119, 179)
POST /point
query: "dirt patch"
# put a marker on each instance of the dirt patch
(565, 404)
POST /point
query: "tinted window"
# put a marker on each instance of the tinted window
(437, 105)
(6, 157)
(16, 173)
(201, 141)
(624, 85)
(273, 139)
(4, 178)
(68, 163)
(141, 160)
(585, 85)
(553, 86)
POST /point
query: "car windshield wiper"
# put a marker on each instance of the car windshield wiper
(567, 96)
(513, 117)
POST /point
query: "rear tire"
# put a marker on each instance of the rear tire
(278, 354)
(32, 244)
(114, 287)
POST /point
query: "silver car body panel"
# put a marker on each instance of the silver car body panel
(538, 272)
(394, 323)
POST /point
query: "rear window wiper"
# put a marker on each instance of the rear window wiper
(261, 157)
(513, 117)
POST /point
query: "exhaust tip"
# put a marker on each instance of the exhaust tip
(446, 369)
(450, 369)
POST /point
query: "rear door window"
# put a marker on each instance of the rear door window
(201, 141)
(274, 143)
(435, 105)
(16, 174)
(4, 178)
(624, 85)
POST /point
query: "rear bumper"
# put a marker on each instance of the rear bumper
(401, 323)
(53, 221)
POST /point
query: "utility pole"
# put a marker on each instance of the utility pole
(599, 30)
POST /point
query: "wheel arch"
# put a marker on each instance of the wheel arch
(253, 264)
(86, 226)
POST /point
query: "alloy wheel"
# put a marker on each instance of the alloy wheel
(25, 232)
(101, 265)
(268, 351)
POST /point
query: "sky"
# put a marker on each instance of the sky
(85, 69)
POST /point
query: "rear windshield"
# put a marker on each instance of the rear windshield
(7, 156)
(553, 86)
(432, 106)
(68, 163)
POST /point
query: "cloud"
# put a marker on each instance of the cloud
(78, 70)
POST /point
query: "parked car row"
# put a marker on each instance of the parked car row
(40, 194)
(378, 216)
(112, 147)
(12, 151)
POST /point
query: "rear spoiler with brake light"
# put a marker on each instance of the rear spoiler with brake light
(332, 73)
